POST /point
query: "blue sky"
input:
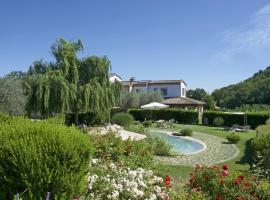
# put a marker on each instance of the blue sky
(208, 43)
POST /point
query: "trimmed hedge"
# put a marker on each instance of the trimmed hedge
(88, 118)
(181, 116)
(253, 119)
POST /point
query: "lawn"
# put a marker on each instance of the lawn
(241, 162)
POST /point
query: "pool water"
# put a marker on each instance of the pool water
(180, 144)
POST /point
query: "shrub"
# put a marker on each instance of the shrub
(220, 184)
(165, 124)
(137, 129)
(136, 123)
(158, 145)
(180, 115)
(132, 154)
(147, 123)
(218, 122)
(108, 180)
(261, 151)
(122, 119)
(5, 118)
(43, 157)
(186, 132)
(233, 138)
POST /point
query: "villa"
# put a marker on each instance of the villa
(173, 91)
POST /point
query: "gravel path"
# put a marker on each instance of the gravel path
(218, 150)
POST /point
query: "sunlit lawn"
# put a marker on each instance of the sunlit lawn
(241, 162)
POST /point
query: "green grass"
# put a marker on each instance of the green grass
(240, 163)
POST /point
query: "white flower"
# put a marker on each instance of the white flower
(94, 161)
(153, 197)
(112, 166)
(115, 194)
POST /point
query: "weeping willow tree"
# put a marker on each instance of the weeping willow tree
(71, 84)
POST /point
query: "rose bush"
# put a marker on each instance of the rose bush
(219, 184)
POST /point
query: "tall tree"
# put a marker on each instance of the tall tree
(197, 94)
(12, 98)
(71, 84)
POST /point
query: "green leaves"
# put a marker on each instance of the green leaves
(71, 84)
(44, 157)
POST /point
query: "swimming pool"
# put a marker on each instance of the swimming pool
(182, 145)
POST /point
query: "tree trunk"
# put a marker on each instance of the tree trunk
(76, 117)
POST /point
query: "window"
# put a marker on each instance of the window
(183, 92)
(138, 90)
(164, 91)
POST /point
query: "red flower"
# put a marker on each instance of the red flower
(238, 198)
(225, 167)
(225, 173)
(206, 178)
(219, 198)
(167, 181)
(221, 181)
(215, 167)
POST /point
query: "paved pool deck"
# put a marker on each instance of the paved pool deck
(218, 150)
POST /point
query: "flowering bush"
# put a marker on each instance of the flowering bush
(110, 181)
(219, 184)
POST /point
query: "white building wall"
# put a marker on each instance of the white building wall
(173, 90)
(114, 78)
(183, 90)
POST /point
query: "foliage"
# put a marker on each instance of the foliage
(89, 118)
(165, 124)
(255, 90)
(218, 122)
(220, 184)
(42, 157)
(181, 116)
(253, 108)
(137, 128)
(233, 138)
(210, 102)
(197, 94)
(71, 84)
(159, 145)
(12, 98)
(137, 99)
(122, 119)
(132, 154)
(186, 132)
(261, 151)
(114, 181)
(253, 119)
(147, 123)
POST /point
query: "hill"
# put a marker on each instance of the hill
(254, 90)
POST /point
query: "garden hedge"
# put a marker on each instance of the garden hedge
(253, 119)
(88, 118)
(181, 116)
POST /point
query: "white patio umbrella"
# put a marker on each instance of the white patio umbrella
(154, 106)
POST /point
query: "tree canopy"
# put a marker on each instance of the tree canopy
(254, 90)
(71, 84)
(12, 98)
(197, 94)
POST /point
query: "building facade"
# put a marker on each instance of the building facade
(173, 91)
